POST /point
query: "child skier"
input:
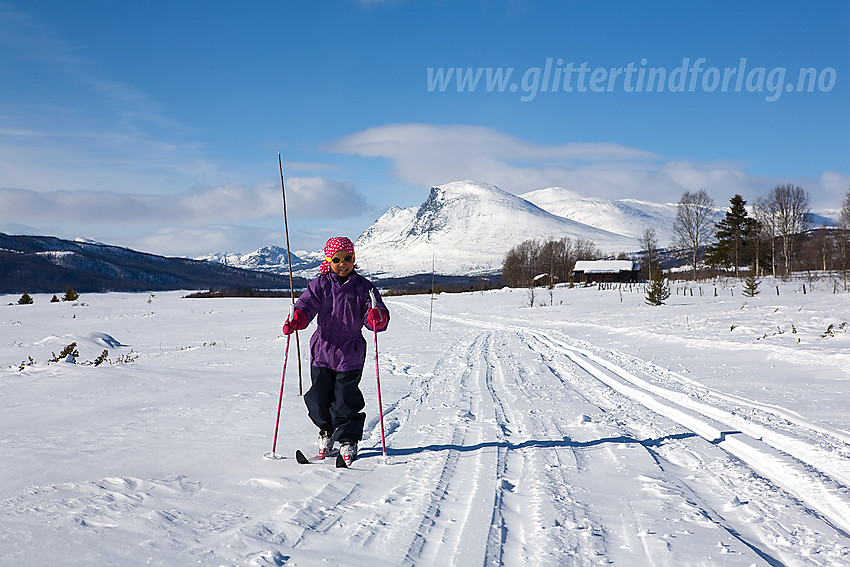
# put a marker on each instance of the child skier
(339, 298)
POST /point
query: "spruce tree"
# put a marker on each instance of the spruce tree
(751, 286)
(658, 289)
(70, 295)
(25, 299)
(734, 237)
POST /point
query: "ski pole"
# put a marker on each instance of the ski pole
(273, 455)
(289, 261)
(378, 381)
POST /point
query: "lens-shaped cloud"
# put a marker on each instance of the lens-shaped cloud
(427, 155)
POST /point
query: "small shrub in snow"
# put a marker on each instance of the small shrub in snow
(101, 359)
(127, 358)
(68, 351)
(531, 293)
(832, 329)
(71, 295)
(24, 364)
(70, 354)
(25, 299)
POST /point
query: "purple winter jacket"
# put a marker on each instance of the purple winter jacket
(341, 308)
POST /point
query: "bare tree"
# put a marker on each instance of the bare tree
(555, 259)
(694, 223)
(817, 250)
(758, 237)
(586, 250)
(520, 264)
(767, 218)
(649, 245)
(567, 261)
(789, 205)
(844, 215)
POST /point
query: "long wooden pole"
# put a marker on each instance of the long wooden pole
(289, 259)
(274, 454)
(378, 382)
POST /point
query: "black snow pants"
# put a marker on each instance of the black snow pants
(335, 402)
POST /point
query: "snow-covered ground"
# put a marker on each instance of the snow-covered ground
(591, 430)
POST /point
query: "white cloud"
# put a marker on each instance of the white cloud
(427, 155)
(836, 187)
(77, 158)
(320, 197)
(105, 207)
(431, 155)
(309, 166)
(308, 197)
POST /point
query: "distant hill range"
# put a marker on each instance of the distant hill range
(44, 264)
(462, 232)
(266, 259)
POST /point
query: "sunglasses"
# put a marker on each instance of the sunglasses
(347, 259)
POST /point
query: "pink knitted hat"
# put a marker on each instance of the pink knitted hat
(332, 246)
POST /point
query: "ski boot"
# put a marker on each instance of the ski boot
(348, 451)
(326, 444)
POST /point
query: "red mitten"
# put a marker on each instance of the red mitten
(377, 319)
(299, 321)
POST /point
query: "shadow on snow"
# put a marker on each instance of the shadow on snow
(566, 442)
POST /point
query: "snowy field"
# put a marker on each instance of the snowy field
(592, 430)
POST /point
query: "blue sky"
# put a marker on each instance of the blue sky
(156, 125)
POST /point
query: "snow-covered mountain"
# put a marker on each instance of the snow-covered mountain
(265, 259)
(628, 217)
(469, 227)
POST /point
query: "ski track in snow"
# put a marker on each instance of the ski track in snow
(804, 472)
(507, 445)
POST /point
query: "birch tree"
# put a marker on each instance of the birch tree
(766, 218)
(789, 205)
(649, 245)
(844, 237)
(694, 223)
